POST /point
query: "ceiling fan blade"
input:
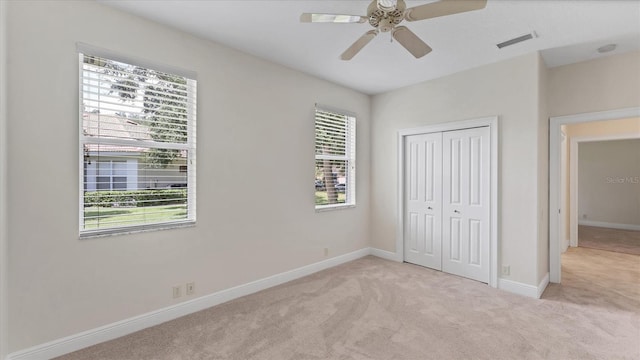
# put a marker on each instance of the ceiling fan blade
(358, 45)
(332, 18)
(410, 41)
(442, 8)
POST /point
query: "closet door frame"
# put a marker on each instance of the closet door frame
(492, 123)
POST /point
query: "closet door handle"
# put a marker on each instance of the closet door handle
(456, 211)
(429, 208)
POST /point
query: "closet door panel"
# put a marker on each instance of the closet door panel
(466, 193)
(423, 200)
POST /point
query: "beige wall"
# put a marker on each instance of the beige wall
(608, 83)
(4, 243)
(609, 128)
(609, 182)
(597, 129)
(510, 90)
(255, 128)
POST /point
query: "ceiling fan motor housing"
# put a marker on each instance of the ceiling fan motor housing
(385, 20)
(386, 15)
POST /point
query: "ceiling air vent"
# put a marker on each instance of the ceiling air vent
(517, 40)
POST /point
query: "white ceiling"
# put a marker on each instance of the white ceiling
(568, 31)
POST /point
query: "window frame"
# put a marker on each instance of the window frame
(349, 156)
(190, 145)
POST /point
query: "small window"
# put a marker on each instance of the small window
(137, 145)
(335, 177)
(111, 175)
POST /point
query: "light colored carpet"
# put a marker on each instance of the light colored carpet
(377, 309)
(624, 241)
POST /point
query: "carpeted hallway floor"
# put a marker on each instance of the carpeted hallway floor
(624, 241)
(377, 309)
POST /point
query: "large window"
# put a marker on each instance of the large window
(335, 182)
(137, 145)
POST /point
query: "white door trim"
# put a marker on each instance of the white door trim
(492, 123)
(564, 197)
(555, 124)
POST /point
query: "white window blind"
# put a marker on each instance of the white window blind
(335, 143)
(137, 147)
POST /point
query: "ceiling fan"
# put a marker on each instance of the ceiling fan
(386, 15)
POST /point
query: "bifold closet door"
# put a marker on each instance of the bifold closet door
(465, 203)
(423, 200)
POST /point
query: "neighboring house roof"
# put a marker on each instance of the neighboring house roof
(116, 127)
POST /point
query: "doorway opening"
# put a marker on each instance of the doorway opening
(563, 222)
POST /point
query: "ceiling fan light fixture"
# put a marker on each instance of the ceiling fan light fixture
(385, 25)
(387, 5)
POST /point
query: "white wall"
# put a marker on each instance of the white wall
(509, 89)
(609, 182)
(255, 128)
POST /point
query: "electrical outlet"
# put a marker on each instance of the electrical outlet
(326, 252)
(177, 292)
(506, 270)
(190, 289)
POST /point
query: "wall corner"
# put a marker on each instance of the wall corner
(543, 213)
(3, 183)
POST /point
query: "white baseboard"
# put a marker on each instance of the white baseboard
(111, 331)
(504, 284)
(605, 224)
(524, 289)
(121, 328)
(384, 254)
(542, 285)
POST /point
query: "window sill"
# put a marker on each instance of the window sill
(323, 208)
(89, 234)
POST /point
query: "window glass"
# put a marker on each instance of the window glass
(335, 159)
(137, 147)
